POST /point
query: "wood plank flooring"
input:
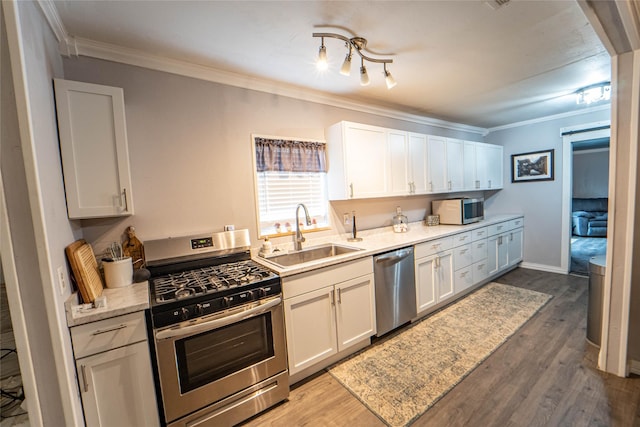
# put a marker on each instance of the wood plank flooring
(544, 375)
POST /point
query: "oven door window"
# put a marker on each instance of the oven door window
(212, 355)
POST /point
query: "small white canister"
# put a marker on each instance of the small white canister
(118, 273)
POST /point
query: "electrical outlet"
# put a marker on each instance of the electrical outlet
(61, 280)
(346, 219)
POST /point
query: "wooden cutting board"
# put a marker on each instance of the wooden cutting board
(85, 270)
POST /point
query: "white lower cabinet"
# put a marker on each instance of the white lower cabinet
(328, 311)
(434, 279)
(505, 249)
(498, 254)
(114, 372)
(515, 246)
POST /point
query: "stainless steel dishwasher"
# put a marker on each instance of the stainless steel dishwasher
(395, 289)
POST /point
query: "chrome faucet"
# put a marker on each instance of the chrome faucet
(297, 243)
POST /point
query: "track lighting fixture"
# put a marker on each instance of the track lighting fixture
(594, 93)
(359, 44)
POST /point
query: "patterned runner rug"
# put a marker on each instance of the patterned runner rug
(401, 378)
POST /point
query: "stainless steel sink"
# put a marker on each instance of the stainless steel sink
(311, 254)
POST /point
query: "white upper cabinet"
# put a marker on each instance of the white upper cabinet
(455, 164)
(93, 145)
(488, 166)
(370, 161)
(358, 161)
(437, 164)
(418, 176)
(398, 145)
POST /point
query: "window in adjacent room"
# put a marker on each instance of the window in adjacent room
(290, 172)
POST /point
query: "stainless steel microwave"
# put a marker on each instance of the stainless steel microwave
(458, 211)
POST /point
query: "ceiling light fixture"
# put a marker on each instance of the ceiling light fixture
(594, 93)
(359, 44)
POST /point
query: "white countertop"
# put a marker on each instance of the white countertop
(379, 240)
(125, 300)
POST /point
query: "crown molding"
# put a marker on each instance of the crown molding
(76, 46)
(548, 118)
(143, 59)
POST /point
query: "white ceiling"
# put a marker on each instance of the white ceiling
(460, 61)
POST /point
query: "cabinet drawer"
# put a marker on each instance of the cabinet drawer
(498, 228)
(433, 247)
(479, 271)
(302, 283)
(461, 239)
(462, 257)
(516, 223)
(479, 233)
(463, 279)
(479, 250)
(108, 334)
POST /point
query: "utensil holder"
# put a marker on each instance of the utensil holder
(118, 273)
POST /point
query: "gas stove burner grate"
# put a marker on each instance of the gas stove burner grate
(209, 279)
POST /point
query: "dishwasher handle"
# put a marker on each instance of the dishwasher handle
(394, 257)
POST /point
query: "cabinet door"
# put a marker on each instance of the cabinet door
(469, 161)
(310, 328)
(482, 166)
(455, 164)
(497, 254)
(355, 312)
(117, 387)
(444, 275)
(425, 283)
(94, 151)
(515, 246)
(418, 163)
(398, 163)
(463, 279)
(494, 167)
(366, 161)
(437, 161)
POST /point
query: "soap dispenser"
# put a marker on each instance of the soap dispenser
(400, 222)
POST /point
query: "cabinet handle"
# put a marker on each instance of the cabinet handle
(333, 297)
(126, 203)
(480, 267)
(339, 296)
(431, 186)
(463, 238)
(104, 331)
(480, 245)
(435, 246)
(85, 384)
(489, 183)
(463, 274)
(480, 233)
(511, 237)
(351, 190)
(477, 184)
(462, 252)
(437, 260)
(449, 185)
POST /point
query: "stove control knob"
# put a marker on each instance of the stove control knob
(184, 313)
(199, 309)
(226, 302)
(262, 292)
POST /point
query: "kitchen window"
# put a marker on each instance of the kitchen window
(289, 172)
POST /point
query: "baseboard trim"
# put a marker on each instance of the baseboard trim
(543, 267)
(634, 367)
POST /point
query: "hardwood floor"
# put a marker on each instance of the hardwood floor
(544, 375)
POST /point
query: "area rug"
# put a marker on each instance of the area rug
(402, 377)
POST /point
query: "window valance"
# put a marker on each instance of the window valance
(281, 155)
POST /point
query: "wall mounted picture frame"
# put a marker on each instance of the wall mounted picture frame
(533, 166)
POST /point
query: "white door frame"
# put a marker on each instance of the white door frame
(585, 132)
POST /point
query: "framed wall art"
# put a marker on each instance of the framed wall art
(534, 166)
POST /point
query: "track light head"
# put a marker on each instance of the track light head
(345, 70)
(388, 78)
(364, 76)
(322, 63)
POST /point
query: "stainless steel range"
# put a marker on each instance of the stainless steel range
(218, 329)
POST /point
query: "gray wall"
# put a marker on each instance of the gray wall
(591, 173)
(540, 202)
(190, 152)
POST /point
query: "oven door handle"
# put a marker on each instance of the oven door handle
(217, 323)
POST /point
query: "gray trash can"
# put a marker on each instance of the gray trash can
(597, 268)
